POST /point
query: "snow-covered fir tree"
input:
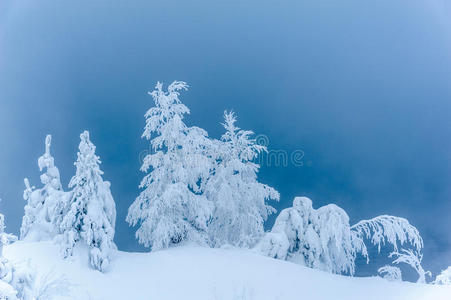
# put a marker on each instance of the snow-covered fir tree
(45, 206)
(91, 214)
(171, 207)
(239, 200)
(323, 238)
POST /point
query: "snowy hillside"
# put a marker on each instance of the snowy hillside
(197, 191)
(208, 274)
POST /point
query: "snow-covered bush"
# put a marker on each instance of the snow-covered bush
(7, 291)
(444, 278)
(16, 280)
(91, 214)
(390, 273)
(171, 207)
(323, 238)
(319, 239)
(413, 259)
(45, 206)
(20, 279)
(48, 286)
(238, 198)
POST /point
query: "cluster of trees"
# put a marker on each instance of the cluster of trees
(84, 214)
(203, 190)
(198, 189)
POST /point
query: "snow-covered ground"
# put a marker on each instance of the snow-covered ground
(196, 273)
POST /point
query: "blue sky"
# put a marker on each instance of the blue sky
(362, 88)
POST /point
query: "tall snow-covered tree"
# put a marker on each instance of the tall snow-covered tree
(239, 200)
(323, 238)
(171, 207)
(91, 214)
(45, 206)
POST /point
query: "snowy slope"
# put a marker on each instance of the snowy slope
(193, 273)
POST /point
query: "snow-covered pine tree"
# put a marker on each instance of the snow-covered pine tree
(323, 238)
(172, 208)
(45, 206)
(91, 214)
(239, 200)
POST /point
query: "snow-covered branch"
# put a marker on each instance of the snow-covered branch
(388, 229)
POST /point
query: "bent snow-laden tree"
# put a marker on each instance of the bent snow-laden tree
(91, 215)
(413, 259)
(172, 208)
(324, 239)
(238, 198)
(45, 206)
(389, 229)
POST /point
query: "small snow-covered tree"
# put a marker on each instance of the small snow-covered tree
(444, 278)
(239, 199)
(45, 206)
(323, 238)
(171, 207)
(91, 215)
(413, 259)
(390, 273)
(5, 238)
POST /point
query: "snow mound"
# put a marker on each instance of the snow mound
(189, 272)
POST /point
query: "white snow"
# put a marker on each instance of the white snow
(188, 272)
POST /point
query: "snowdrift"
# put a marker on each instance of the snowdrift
(194, 273)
